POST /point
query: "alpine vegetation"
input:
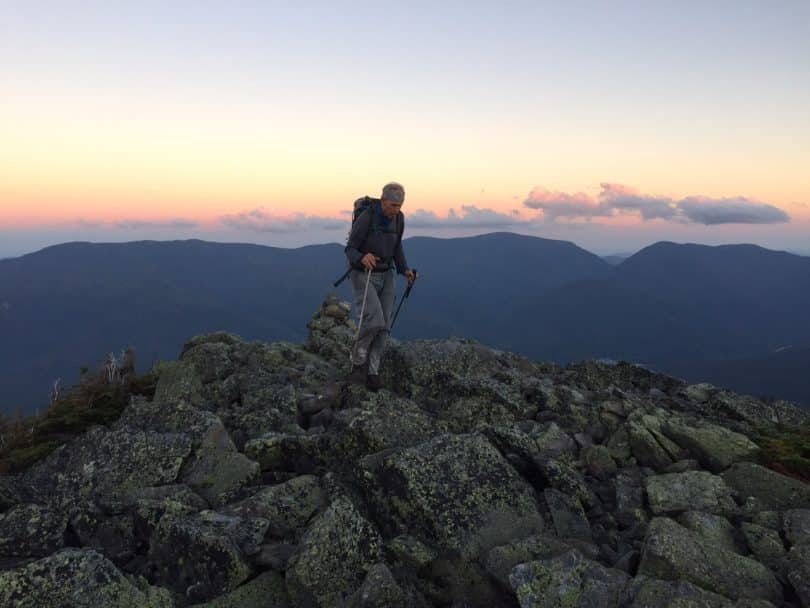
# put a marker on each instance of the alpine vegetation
(255, 475)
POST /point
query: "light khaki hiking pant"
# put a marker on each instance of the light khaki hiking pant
(376, 321)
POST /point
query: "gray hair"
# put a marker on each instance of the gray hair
(393, 192)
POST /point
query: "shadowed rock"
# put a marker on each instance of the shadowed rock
(716, 448)
(672, 552)
(80, 578)
(336, 552)
(569, 580)
(287, 507)
(203, 556)
(769, 488)
(692, 490)
(456, 492)
(31, 530)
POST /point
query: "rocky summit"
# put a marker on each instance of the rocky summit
(256, 477)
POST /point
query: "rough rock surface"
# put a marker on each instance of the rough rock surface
(257, 477)
(672, 552)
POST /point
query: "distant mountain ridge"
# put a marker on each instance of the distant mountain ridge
(673, 307)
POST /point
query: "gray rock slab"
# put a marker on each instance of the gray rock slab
(79, 578)
(569, 581)
(769, 488)
(693, 490)
(672, 552)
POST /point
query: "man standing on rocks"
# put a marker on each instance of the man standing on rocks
(373, 249)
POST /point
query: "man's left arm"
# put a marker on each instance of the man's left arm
(399, 253)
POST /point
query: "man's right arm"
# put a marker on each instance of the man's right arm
(356, 238)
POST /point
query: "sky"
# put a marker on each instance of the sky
(609, 124)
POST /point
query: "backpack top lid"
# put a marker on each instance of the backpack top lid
(361, 204)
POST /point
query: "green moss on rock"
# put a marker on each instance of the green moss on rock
(80, 578)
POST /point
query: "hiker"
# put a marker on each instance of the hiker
(373, 249)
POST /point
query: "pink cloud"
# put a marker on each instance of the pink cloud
(621, 200)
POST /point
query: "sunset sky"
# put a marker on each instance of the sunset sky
(610, 124)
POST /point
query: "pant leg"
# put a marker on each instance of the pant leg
(377, 347)
(373, 317)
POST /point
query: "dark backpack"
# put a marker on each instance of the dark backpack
(360, 205)
(367, 203)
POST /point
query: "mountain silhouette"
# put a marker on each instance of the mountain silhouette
(676, 308)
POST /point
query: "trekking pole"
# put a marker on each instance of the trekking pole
(343, 278)
(363, 307)
(404, 297)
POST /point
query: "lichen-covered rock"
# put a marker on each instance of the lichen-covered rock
(798, 572)
(203, 556)
(567, 581)
(649, 447)
(30, 530)
(286, 507)
(275, 555)
(294, 452)
(9, 492)
(561, 475)
(149, 505)
(517, 446)
(331, 331)
(265, 591)
(769, 488)
(797, 526)
(629, 494)
(646, 592)
(467, 384)
(410, 552)
(713, 529)
(672, 552)
(455, 492)
(567, 514)
(500, 560)
(765, 544)
(395, 422)
(744, 408)
(598, 461)
(219, 475)
(337, 550)
(379, 590)
(716, 447)
(458, 462)
(178, 382)
(619, 444)
(103, 462)
(204, 428)
(79, 578)
(693, 490)
(553, 442)
(113, 535)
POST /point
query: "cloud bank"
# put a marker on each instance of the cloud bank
(130, 224)
(174, 224)
(617, 199)
(258, 220)
(469, 216)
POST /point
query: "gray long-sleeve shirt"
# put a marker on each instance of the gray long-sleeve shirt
(386, 243)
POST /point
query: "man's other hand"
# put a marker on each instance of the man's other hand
(410, 275)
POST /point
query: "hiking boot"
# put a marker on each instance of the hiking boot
(373, 382)
(357, 375)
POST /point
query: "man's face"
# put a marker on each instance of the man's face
(390, 208)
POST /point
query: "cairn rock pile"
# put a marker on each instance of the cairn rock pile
(474, 477)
